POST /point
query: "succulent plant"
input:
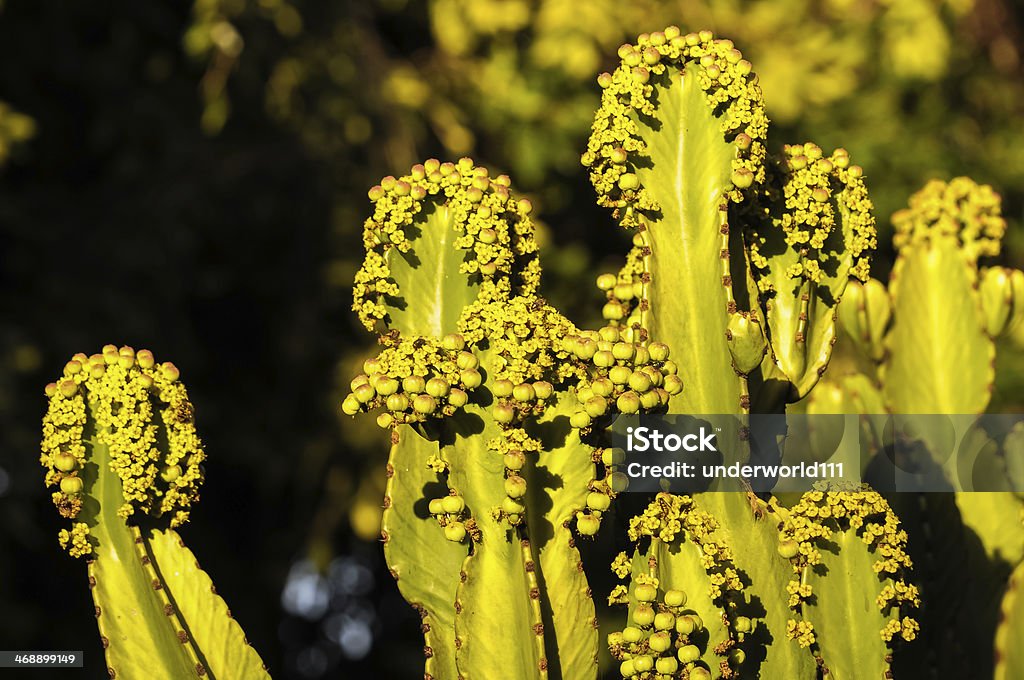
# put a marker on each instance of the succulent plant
(120, 446)
(727, 300)
(499, 409)
(925, 344)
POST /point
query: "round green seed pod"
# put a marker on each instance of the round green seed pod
(596, 406)
(623, 351)
(455, 532)
(659, 351)
(435, 507)
(626, 669)
(385, 421)
(660, 641)
(502, 388)
(673, 384)
(650, 400)
(623, 291)
(511, 506)
(543, 389)
(587, 525)
(424, 403)
(688, 654)
(397, 403)
(523, 392)
(359, 380)
(387, 386)
(700, 673)
(609, 333)
(606, 281)
(641, 356)
(471, 378)
(515, 486)
(364, 394)
(664, 621)
(414, 384)
(743, 624)
(580, 420)
(632, 634)
(613, 311)
(788, 548)
(643, 615)
(645, 592)
(586, 349)
(603, 387)
(169, 371)
(618, 482)
(613, 457)
(643, 663)
(604, 359)
(628, 181)
(371, 366)
(72, 485)
(639, 382)
(438, 387)
(628, 402)
(457, 398)
(736, 657)
(615, 639)
(65, 462)
(598, 501)
(453, 504)
(685, 625)
(350, 406)
(675, 598)
(172, 472)
(503, 413)
(466, 361)
(619, 375)
(515, 460)
(666, 665)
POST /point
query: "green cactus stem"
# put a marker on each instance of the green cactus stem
(839, 538)
(120, 444)
(1009, 645)
(478, 366)
(679, 138)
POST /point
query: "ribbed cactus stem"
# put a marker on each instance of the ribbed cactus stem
(120, 444)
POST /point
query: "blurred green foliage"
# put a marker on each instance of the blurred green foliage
(193, 179)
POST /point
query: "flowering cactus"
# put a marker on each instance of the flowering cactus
(926, 344)
(120, 446)
(498, 406)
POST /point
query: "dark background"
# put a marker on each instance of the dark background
(192, 179)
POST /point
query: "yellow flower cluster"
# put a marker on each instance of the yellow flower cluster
(960, 209)
(616, 147)
(524, 334)
(103, 410)
(76, 541)
(490, 225)
(824, 215)
(818, 515)
(415, 378)
(800, 631)
(670, 517)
